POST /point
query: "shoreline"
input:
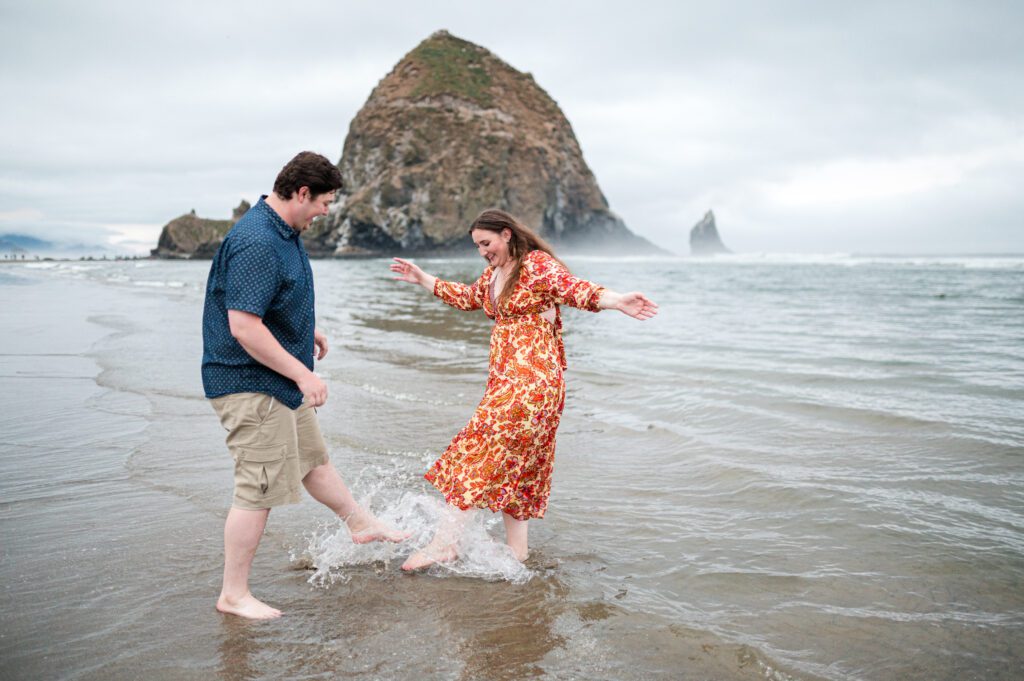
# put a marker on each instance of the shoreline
(734, 258)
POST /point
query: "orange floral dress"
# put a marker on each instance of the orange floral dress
(502, 459)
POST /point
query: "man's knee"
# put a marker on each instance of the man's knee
(321, 472)
(261, 439)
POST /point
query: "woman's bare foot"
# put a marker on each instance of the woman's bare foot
(365, 528)
(520, 554)
(428, 556)
(247, 606)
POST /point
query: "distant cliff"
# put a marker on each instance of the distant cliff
(450, 131)
(190, 236)
(704, 238)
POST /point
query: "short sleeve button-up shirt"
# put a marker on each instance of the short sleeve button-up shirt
(261, 268)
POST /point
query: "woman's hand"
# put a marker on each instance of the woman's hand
(406, 271)
(635, 304)
(410, 272)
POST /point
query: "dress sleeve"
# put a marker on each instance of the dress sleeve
(463, 296)
(564, 288)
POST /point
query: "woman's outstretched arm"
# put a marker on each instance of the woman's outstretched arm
(411, 272)
(634, 304)
(460, 296)
(568, 289)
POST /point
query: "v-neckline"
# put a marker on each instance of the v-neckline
(492, 294)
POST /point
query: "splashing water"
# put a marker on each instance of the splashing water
(330, 549)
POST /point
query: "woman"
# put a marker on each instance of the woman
(502, 459)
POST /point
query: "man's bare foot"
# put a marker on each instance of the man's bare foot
(428, 556)
(365, 528)
(247, 606)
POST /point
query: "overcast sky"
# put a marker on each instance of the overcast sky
(812, 127)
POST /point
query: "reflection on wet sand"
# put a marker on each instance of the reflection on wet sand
(237, 649)
(406, 626)
(507, 631)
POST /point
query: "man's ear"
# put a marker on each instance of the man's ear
(303, 194)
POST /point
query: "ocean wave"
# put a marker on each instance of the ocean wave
(987, 262)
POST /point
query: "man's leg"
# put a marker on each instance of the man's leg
(253, 425)
(326, 486)
(242, 532)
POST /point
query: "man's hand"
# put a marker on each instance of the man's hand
(319, 344)
(313, 390)
(256, 339)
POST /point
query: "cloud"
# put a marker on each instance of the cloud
(865, 180)
(848, 181)
(21, 216)
(133, 238)
(786, 118)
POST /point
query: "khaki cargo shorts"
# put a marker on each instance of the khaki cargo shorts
(273, 447)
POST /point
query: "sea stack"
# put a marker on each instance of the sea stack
(450, 131)
(704, 239)
(190, 236)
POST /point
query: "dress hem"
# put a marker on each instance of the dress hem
(454, 500)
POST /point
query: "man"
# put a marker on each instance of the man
(259, 340)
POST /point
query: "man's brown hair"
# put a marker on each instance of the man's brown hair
(307, 169)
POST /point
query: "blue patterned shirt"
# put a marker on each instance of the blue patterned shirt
(262, 268)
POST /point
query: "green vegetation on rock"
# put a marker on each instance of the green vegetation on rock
(453, 67)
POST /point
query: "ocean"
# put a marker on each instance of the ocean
(806, 467)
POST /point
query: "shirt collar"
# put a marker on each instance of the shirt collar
(283, 228)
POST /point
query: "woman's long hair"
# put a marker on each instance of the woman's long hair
(522, 242)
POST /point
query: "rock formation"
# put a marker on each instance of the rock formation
(704, 239)
(190, 236)
(453, 130)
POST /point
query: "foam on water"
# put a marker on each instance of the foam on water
(1013, 262)
(400, 396)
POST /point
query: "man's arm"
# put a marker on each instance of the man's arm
(256, 339)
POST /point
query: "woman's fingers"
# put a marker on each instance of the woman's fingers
(405, 269)
(642, 307)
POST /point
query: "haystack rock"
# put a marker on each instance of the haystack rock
(453, 130)
(704, 239)
(190, 236)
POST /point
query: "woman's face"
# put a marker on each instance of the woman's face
(492, 246)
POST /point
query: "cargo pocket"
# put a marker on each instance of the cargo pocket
(258, 471)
